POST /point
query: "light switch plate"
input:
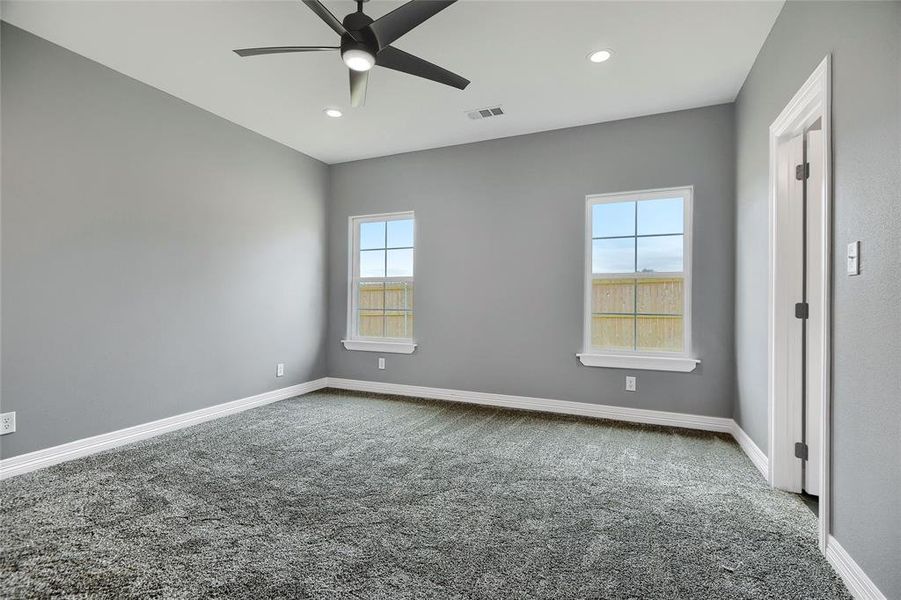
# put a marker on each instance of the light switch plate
(854, 258)
(280, 370)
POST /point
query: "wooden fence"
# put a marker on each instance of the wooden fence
(639, 314)
(386, 310)
(627, 314)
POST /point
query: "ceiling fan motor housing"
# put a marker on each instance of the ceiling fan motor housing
(359, 36)
(366, 43)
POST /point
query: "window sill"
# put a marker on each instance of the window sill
(380, 346)
(647, 363)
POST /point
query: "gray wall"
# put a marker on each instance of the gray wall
(156, 258)
(499, 272)
(865, 42)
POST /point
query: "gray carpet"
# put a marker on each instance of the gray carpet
(334, 495)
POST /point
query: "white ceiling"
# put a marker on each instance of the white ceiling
(528, 57)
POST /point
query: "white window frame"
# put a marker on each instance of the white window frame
(637, 359)
(353, 340)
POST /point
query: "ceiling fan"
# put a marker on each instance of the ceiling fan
(366, 43)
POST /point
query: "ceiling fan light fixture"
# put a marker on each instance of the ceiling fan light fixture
(334, 113)
(358, 60)
(600, 56)
(364, 39)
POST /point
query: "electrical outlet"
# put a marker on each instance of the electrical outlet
(7, 423)
(630, 383)
(381, 363)
(280, 369)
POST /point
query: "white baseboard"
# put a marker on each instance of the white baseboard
(39, 459)
(601, 411)
(860, 586)
(617, 413)
(57, 454)
(751, 449)
(854, 577)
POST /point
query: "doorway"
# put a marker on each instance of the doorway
(799, 295)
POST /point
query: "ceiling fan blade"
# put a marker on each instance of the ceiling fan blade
(401, 20)
(358, 83)
(331, 20)
(282, 50)
(392, 58)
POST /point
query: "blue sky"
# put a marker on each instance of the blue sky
(617, 255)
(375, 237)
(654, 217)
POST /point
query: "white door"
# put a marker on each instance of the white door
(815, 367)
(803, 262)
(791, 256)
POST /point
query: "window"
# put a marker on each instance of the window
(380, 302)
(638, 280)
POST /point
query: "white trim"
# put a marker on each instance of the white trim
(25, 463)
(388, 347)
(639, 361)
(751, 449)
(353, 270)
(811, 102)
(600, 411)
(687, 195)
(638, 195)
(860, 586)
(39, 459)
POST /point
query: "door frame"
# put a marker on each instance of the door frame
(811, 102)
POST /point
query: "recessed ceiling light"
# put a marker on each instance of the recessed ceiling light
(332, 112)
(600, 56)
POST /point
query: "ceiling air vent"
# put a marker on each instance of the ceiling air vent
(485, 113)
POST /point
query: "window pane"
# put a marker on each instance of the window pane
(612, 219)
(613, 332)
(371, 296)
(613, 295)
(399, 324)
(660, 333)
(660, 254)
(613, 256)
(660, 216)
(399, 296)
(663, 296)
(372, 235)
(400, 233)
(400, 263)
(371, 323)
(372, 263)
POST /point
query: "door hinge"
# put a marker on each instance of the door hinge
(801, 450)
(802, 172)
(802, 310)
